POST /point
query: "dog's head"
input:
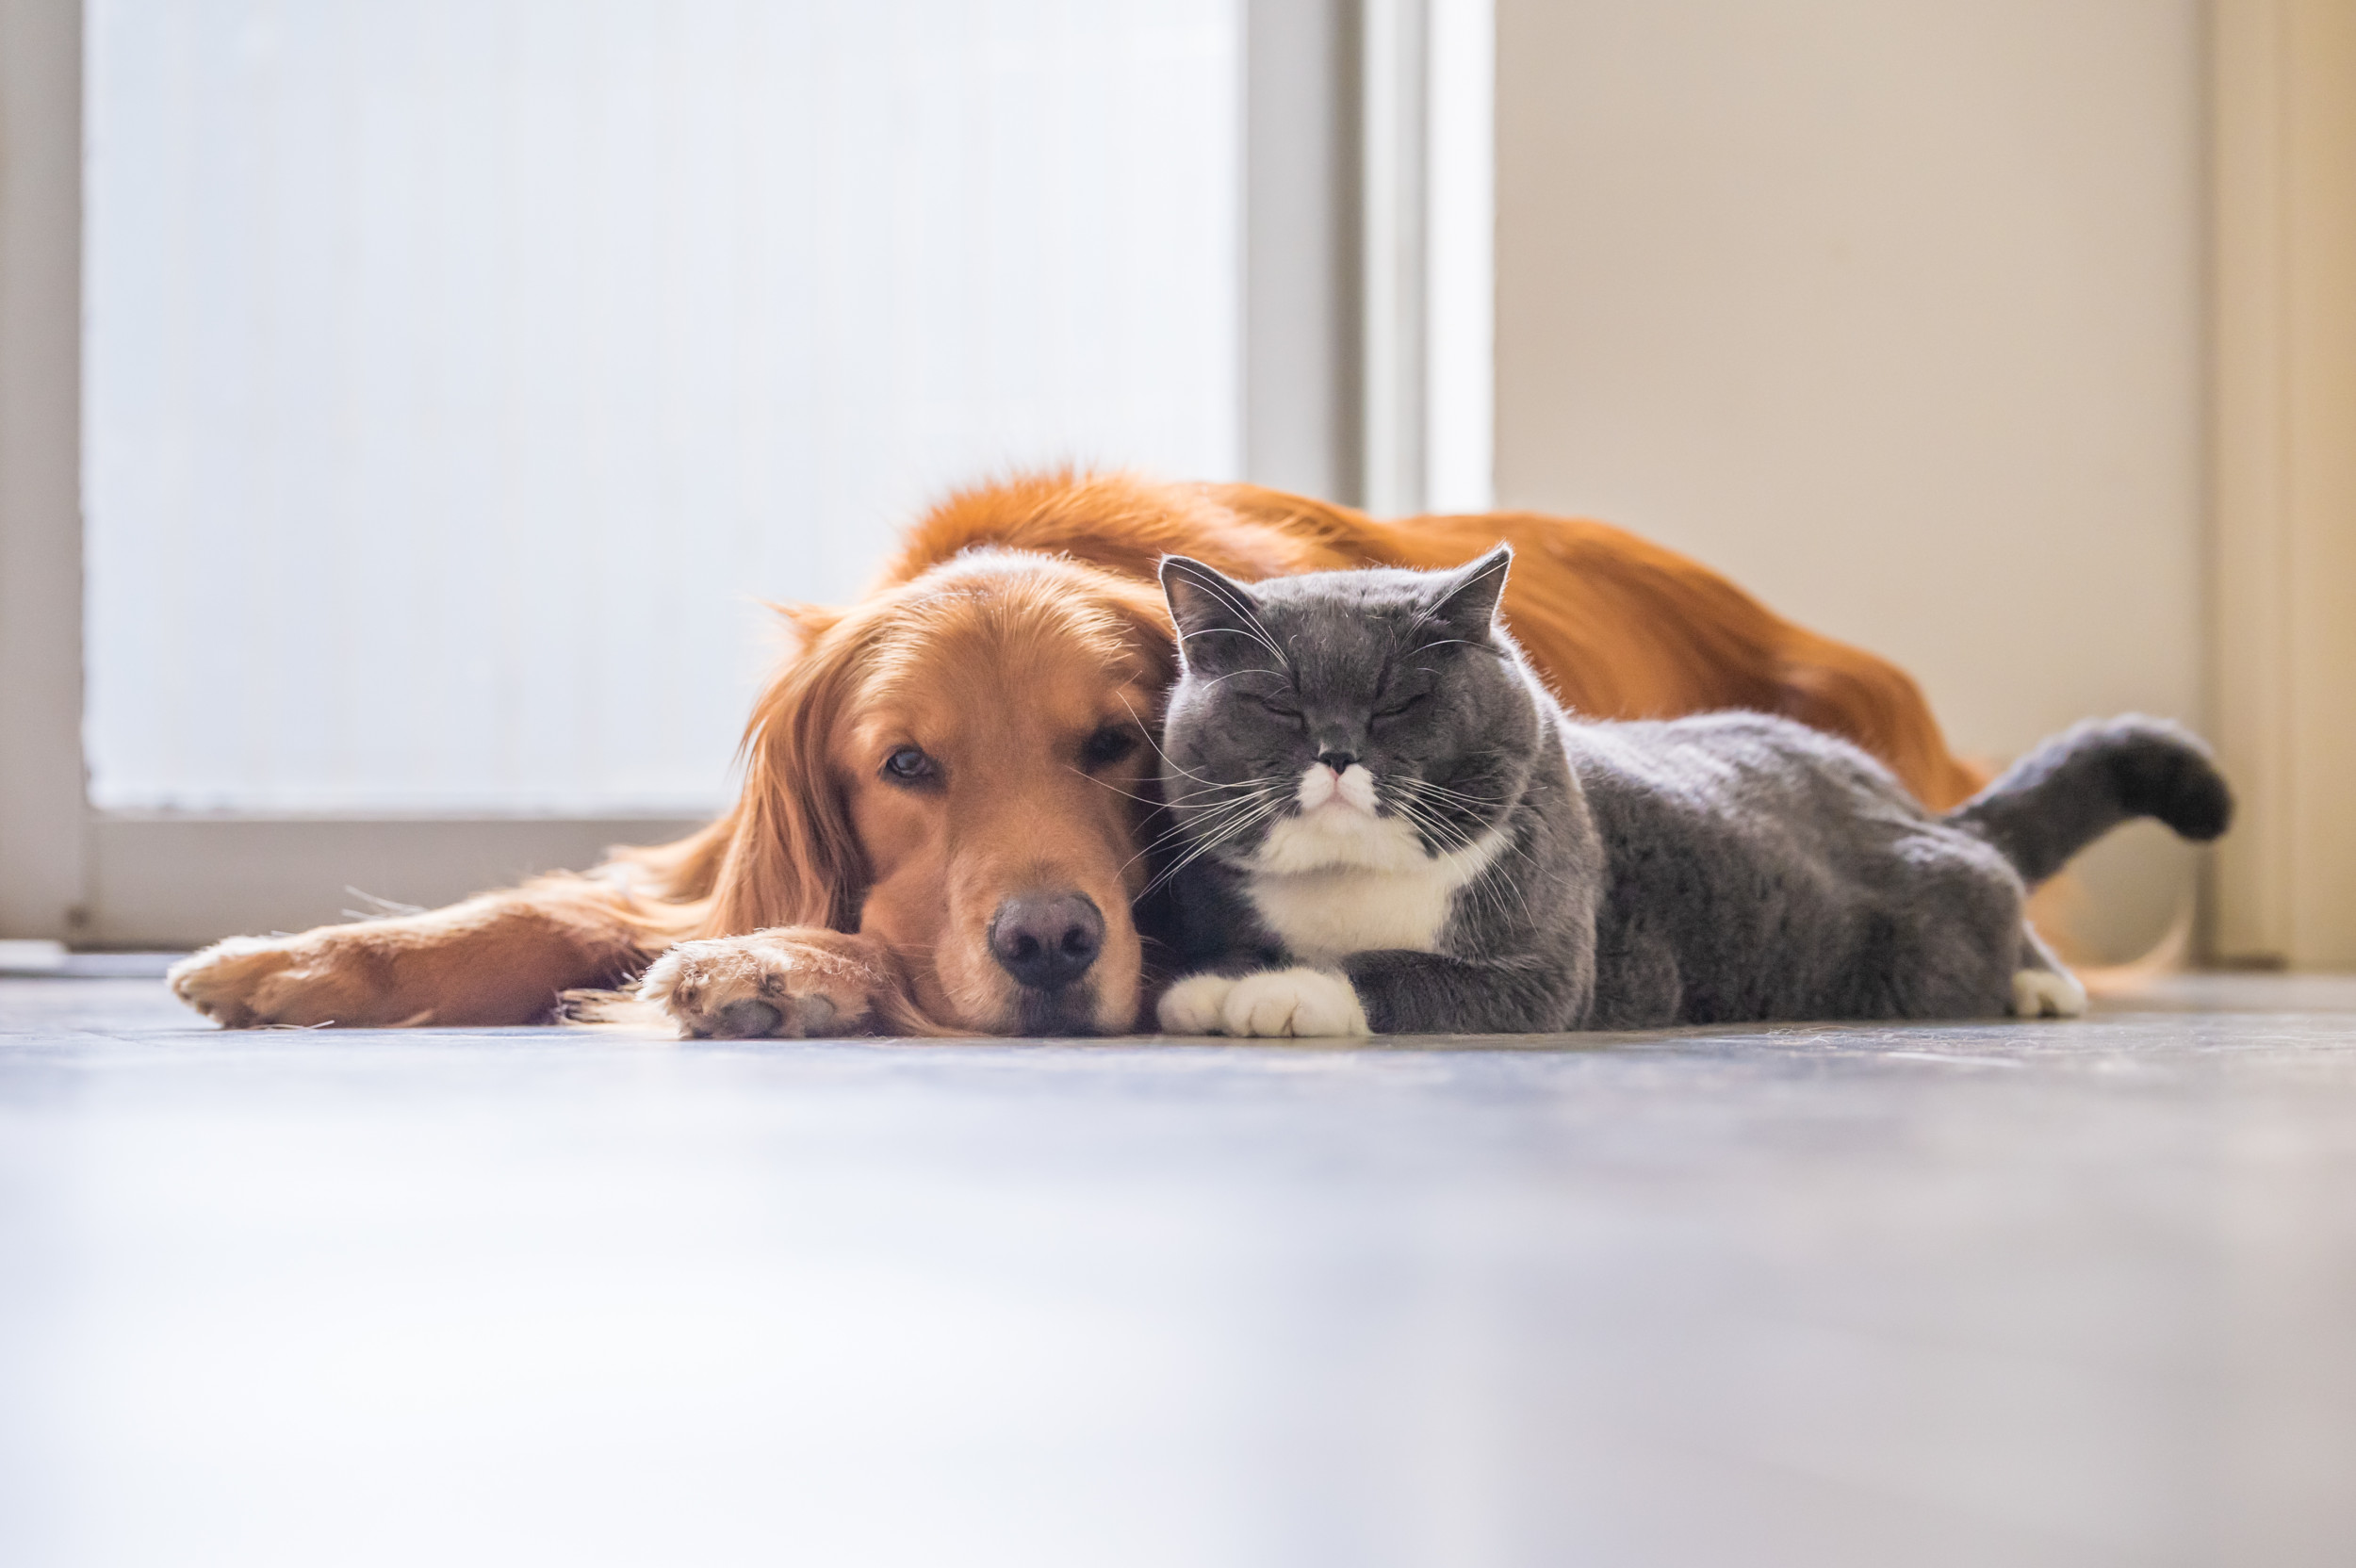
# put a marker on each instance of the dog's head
(958, 767)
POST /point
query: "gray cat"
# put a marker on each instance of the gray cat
(1387, 825)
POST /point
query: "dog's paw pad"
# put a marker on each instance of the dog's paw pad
(748, 1020)
(1300, 1003)
(1192, 1005)
(2047, 993)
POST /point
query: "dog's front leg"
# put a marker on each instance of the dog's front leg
(496, 959)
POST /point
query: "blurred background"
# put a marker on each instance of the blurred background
(404, 406)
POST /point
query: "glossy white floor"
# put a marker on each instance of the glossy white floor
(2076, 1294)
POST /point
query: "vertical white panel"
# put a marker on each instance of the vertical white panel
(460, 371)
(1395, 158)
(1460, 271)
(1300, 331)
(1428, 181)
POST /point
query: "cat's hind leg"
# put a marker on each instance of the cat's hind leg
(2043, 986)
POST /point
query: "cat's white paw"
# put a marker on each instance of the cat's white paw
(1192, 1005)
(2047, 993)
(1302, 1002)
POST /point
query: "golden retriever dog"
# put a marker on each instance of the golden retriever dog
(948, 807)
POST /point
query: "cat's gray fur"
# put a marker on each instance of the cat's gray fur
(1522, 871)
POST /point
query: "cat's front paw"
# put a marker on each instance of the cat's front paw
(1192, 1005)
(2047, 993)
(1302, 1002)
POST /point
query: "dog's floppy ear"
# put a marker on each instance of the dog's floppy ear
(805, 623)
(1206, 605)
(792, 858)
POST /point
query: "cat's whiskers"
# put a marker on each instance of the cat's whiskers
(1493, 878)
(1482, 807)
(1428, 826)
(1166, 799)
(1424, 802)
(1426, 786)
(1205, 819)
(1147, 731)
(1233, 827)
(1451, 837)
(1492, 881)
(1190, 797)
(1202, 817)
(1259, 783)
(1108, 784)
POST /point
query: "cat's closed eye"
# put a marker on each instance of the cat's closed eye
(1406, 705)
(1275, 705)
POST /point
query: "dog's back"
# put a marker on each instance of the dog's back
(1618, 626)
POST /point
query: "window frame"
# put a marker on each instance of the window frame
(1315, 339)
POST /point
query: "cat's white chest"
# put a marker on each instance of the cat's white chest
(1334, 881)
(1323, 917)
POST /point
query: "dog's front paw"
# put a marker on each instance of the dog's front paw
(788, 982)
(226, 980)
(2047, 993)
(334, 976)
(1192, 1005)
(1302, 1002)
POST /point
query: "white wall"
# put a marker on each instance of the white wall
(1893, 311)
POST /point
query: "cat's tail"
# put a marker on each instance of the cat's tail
(2082, 783)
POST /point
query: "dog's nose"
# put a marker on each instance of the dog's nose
(1338, 760)
(1047, 941)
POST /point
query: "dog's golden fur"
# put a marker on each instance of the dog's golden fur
(1018, 627)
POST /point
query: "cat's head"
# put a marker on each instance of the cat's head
(1375, 719)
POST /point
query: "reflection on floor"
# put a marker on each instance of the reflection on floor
(2064, 1293)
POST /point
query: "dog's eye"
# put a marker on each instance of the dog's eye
(907, 765)
(1106, 747)
(1398, 708)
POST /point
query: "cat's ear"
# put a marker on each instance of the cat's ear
(1468, 600)
(1201, 602)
